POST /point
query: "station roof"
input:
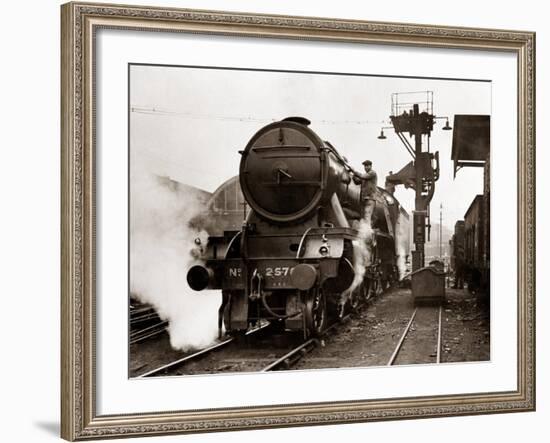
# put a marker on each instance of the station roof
(181, 188)
(471, 140)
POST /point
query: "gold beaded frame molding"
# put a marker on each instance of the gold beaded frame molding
(80, 21)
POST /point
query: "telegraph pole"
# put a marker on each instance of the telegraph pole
(440, 231)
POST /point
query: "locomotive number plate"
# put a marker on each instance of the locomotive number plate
(234, 275)
(235, 272)
(276, 275)
(279, 271)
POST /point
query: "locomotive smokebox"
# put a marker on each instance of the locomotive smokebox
(282, 171)
(200, 277)
(287, 173)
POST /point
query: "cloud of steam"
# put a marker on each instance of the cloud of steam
(160, 245)
(402, 243)
(362, 251)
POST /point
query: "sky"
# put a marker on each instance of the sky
(188, 123)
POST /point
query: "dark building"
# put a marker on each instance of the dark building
(471, 148)
(457, 244)
(474, 227)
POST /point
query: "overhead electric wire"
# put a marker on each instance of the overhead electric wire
(190, 115)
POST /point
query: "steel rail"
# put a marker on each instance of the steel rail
(406, 331)
(146, 336)
(286, 359)
(198, 353)
(302, 349)
(401, 340)
(438, 360)
(144, 317)
(187, 358)
(148, 328)
(141, 310)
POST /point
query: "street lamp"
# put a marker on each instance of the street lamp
(382, 136)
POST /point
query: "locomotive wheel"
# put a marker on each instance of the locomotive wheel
(355, 297)
(316, 312)
(277, 326)
(365, 289)
(373, 288)
(378, 286)
(369, 289)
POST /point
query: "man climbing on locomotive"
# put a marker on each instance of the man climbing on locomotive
(369, 190)
(369, 180)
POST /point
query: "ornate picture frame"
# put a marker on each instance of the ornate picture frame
(80, 23)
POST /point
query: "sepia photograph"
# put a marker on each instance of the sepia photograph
(287, 220)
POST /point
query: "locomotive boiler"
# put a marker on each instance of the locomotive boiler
(304, 252)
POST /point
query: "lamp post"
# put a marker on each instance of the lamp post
(440, 231)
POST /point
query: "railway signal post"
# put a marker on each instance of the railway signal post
(415, 119)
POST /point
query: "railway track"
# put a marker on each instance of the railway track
(405, 339)
(144, 322)
(292, 357)
(140, 335)
(285, 361)
(197, 355)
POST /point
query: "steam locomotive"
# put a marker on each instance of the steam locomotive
(303, 254)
